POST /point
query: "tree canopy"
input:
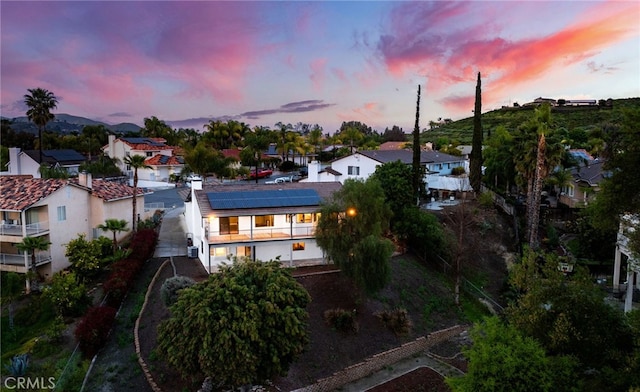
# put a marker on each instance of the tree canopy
(243, 325)
(350, 226)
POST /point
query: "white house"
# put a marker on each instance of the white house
(28, 162)
(362, 164)
(628, 224)
(256, 221)
(58, 210)
(162, 158)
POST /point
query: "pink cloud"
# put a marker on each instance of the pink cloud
(431, 39)
(318, 72)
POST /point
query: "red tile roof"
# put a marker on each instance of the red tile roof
(110, 191)
(164, 160)
(19, 192)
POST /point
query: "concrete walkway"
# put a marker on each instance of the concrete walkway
(172, 239)
(401, 368)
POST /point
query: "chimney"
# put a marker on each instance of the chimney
(314, 169)
(112, 146)
(85, 179)
(14, 161)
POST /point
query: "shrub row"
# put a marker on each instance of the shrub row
(123, 272)
(93, 329)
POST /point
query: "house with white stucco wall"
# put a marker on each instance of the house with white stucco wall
(57, 210)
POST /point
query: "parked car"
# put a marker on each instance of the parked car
(280, 180)
(262, 173)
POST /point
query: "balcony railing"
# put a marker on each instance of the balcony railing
(264, 234)
(15, 229)
(18, 259)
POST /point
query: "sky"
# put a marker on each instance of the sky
(314, 62)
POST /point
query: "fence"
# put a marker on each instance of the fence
(382, 360)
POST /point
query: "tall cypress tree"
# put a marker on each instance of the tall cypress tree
(475, 159)
(417, 169)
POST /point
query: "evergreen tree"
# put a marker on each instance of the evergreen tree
(475, 159)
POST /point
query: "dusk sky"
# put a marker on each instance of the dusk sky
(313, 62)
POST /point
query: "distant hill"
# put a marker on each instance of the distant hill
(66, 123)
(571, 118)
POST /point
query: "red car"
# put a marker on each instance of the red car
(262, 173)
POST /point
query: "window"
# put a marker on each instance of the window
(62, 213)
(149, 154)
(298, 246)
(264, 220)
(304, 218)
(229, 225)
(243, 251)
(219, 252)
(353, 170)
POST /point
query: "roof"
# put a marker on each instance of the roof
(591, 173)
(406, 156)
(20, 192)
(263, 199)
(581, 155)
(111, 191)
(146, 143)
(260, 199)
(164, 160)
(63, 157)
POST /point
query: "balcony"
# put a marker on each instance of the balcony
(16, 262)
(264, 234)
(15, 229)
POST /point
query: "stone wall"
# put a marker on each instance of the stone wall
(382, 360)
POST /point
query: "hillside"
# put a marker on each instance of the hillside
(571, 118)
(66, 123)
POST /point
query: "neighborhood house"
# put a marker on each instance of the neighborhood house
(254, 221)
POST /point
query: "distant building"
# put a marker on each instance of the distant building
(28, 162)
(163, 159)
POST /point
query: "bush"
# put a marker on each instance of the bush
(171, 287)
(67, 294)
(342, 320)
(396, 320)
(92, 331)
(287, 166)
(458, 170)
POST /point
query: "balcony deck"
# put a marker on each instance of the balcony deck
(15, 229)
(263, 235)
(16, 262)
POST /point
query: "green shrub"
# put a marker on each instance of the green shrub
(342, 320)
(67, 294)
(172, 286)
(396, 320)
(458, 170)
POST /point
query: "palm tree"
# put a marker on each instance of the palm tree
(115, 226)
(30, 245)
(136, 162)
(282, 138)
(315, 138)
(352, 134)
(218, 131)
(40, 103)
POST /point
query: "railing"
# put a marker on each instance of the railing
(264, 234)
(18, 259)
(15, 229)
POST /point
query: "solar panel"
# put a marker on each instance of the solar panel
(65, 155)
(142, 140)
(274, 198)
